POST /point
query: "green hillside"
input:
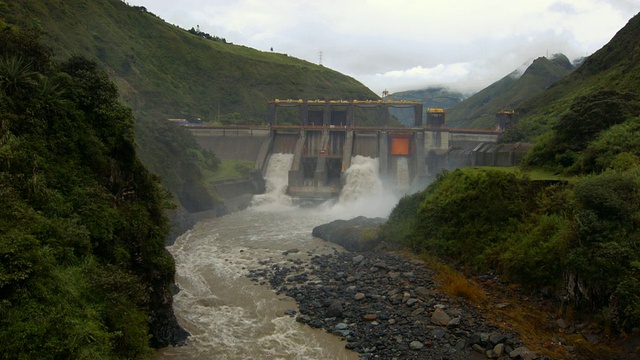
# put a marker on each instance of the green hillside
(614, 67)
(434, 97)
(577, 238)
(166, 70)
(479, 110)
(163, 72)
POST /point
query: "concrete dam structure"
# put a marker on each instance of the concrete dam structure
(328, 137)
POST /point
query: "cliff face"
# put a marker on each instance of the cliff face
(84, 271)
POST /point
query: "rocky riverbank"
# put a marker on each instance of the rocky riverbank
(386, 306)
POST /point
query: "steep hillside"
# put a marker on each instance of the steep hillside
(84, 272)
(589, 119)
(434, 97)
(616, 66)
(163, 72)
(479, 110)
(162, 68)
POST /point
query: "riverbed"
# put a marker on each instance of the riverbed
(231, 317)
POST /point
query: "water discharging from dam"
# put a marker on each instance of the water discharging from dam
(231, 317)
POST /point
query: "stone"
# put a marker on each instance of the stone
(405, 297)
(370, 317)
(353, 235)
(496, 338)
(358, 259)
(342, 326)
(417, 311)
(290, 251)
(334, 309)
(359, 296)
(439, 317)
(523, 353)
(496, 352)
(562, 324)
(416, 345)
(422, 292)
(454, 323)
(438, 333)
(411, 301)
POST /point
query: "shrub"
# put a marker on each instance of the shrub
(467, 214)
(604, 252)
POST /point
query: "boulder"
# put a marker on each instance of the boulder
(357, 234)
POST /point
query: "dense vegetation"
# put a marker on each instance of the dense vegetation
(83, 272)
(580, 240)
(579, 237)
(479, 110)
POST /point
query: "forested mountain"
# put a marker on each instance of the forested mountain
(479, 110)
(163, 71)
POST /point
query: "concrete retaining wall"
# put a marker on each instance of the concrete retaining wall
(484, 154)
(232, 144)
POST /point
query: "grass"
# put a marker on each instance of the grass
(510, 308)
(162, 68)
(534, 174)
(230, 169)
(453, 282)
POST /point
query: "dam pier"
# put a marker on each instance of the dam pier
(327, 135)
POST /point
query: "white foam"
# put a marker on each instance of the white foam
(402, 175)
(277, 181)
(363, 193)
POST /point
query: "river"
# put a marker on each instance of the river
(231, 317)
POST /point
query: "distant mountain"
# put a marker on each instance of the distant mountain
(616, 66)
(433, 97)
(479, 110)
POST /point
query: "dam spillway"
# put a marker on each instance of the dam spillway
(321, 155)
(330, 134)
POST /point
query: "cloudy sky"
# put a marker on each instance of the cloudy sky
(409, 44)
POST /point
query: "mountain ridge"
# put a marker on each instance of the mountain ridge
(478, 111)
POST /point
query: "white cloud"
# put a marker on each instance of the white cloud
(407, 44)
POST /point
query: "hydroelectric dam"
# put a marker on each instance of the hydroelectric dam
(330, 134)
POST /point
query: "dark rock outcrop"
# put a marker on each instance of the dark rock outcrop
(358, 234)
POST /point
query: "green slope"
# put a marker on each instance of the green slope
(479, 110)
(162, 68)
(84, 272)
(163, 72)
(614, 67)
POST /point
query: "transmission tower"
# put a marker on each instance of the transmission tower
(320, 58)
